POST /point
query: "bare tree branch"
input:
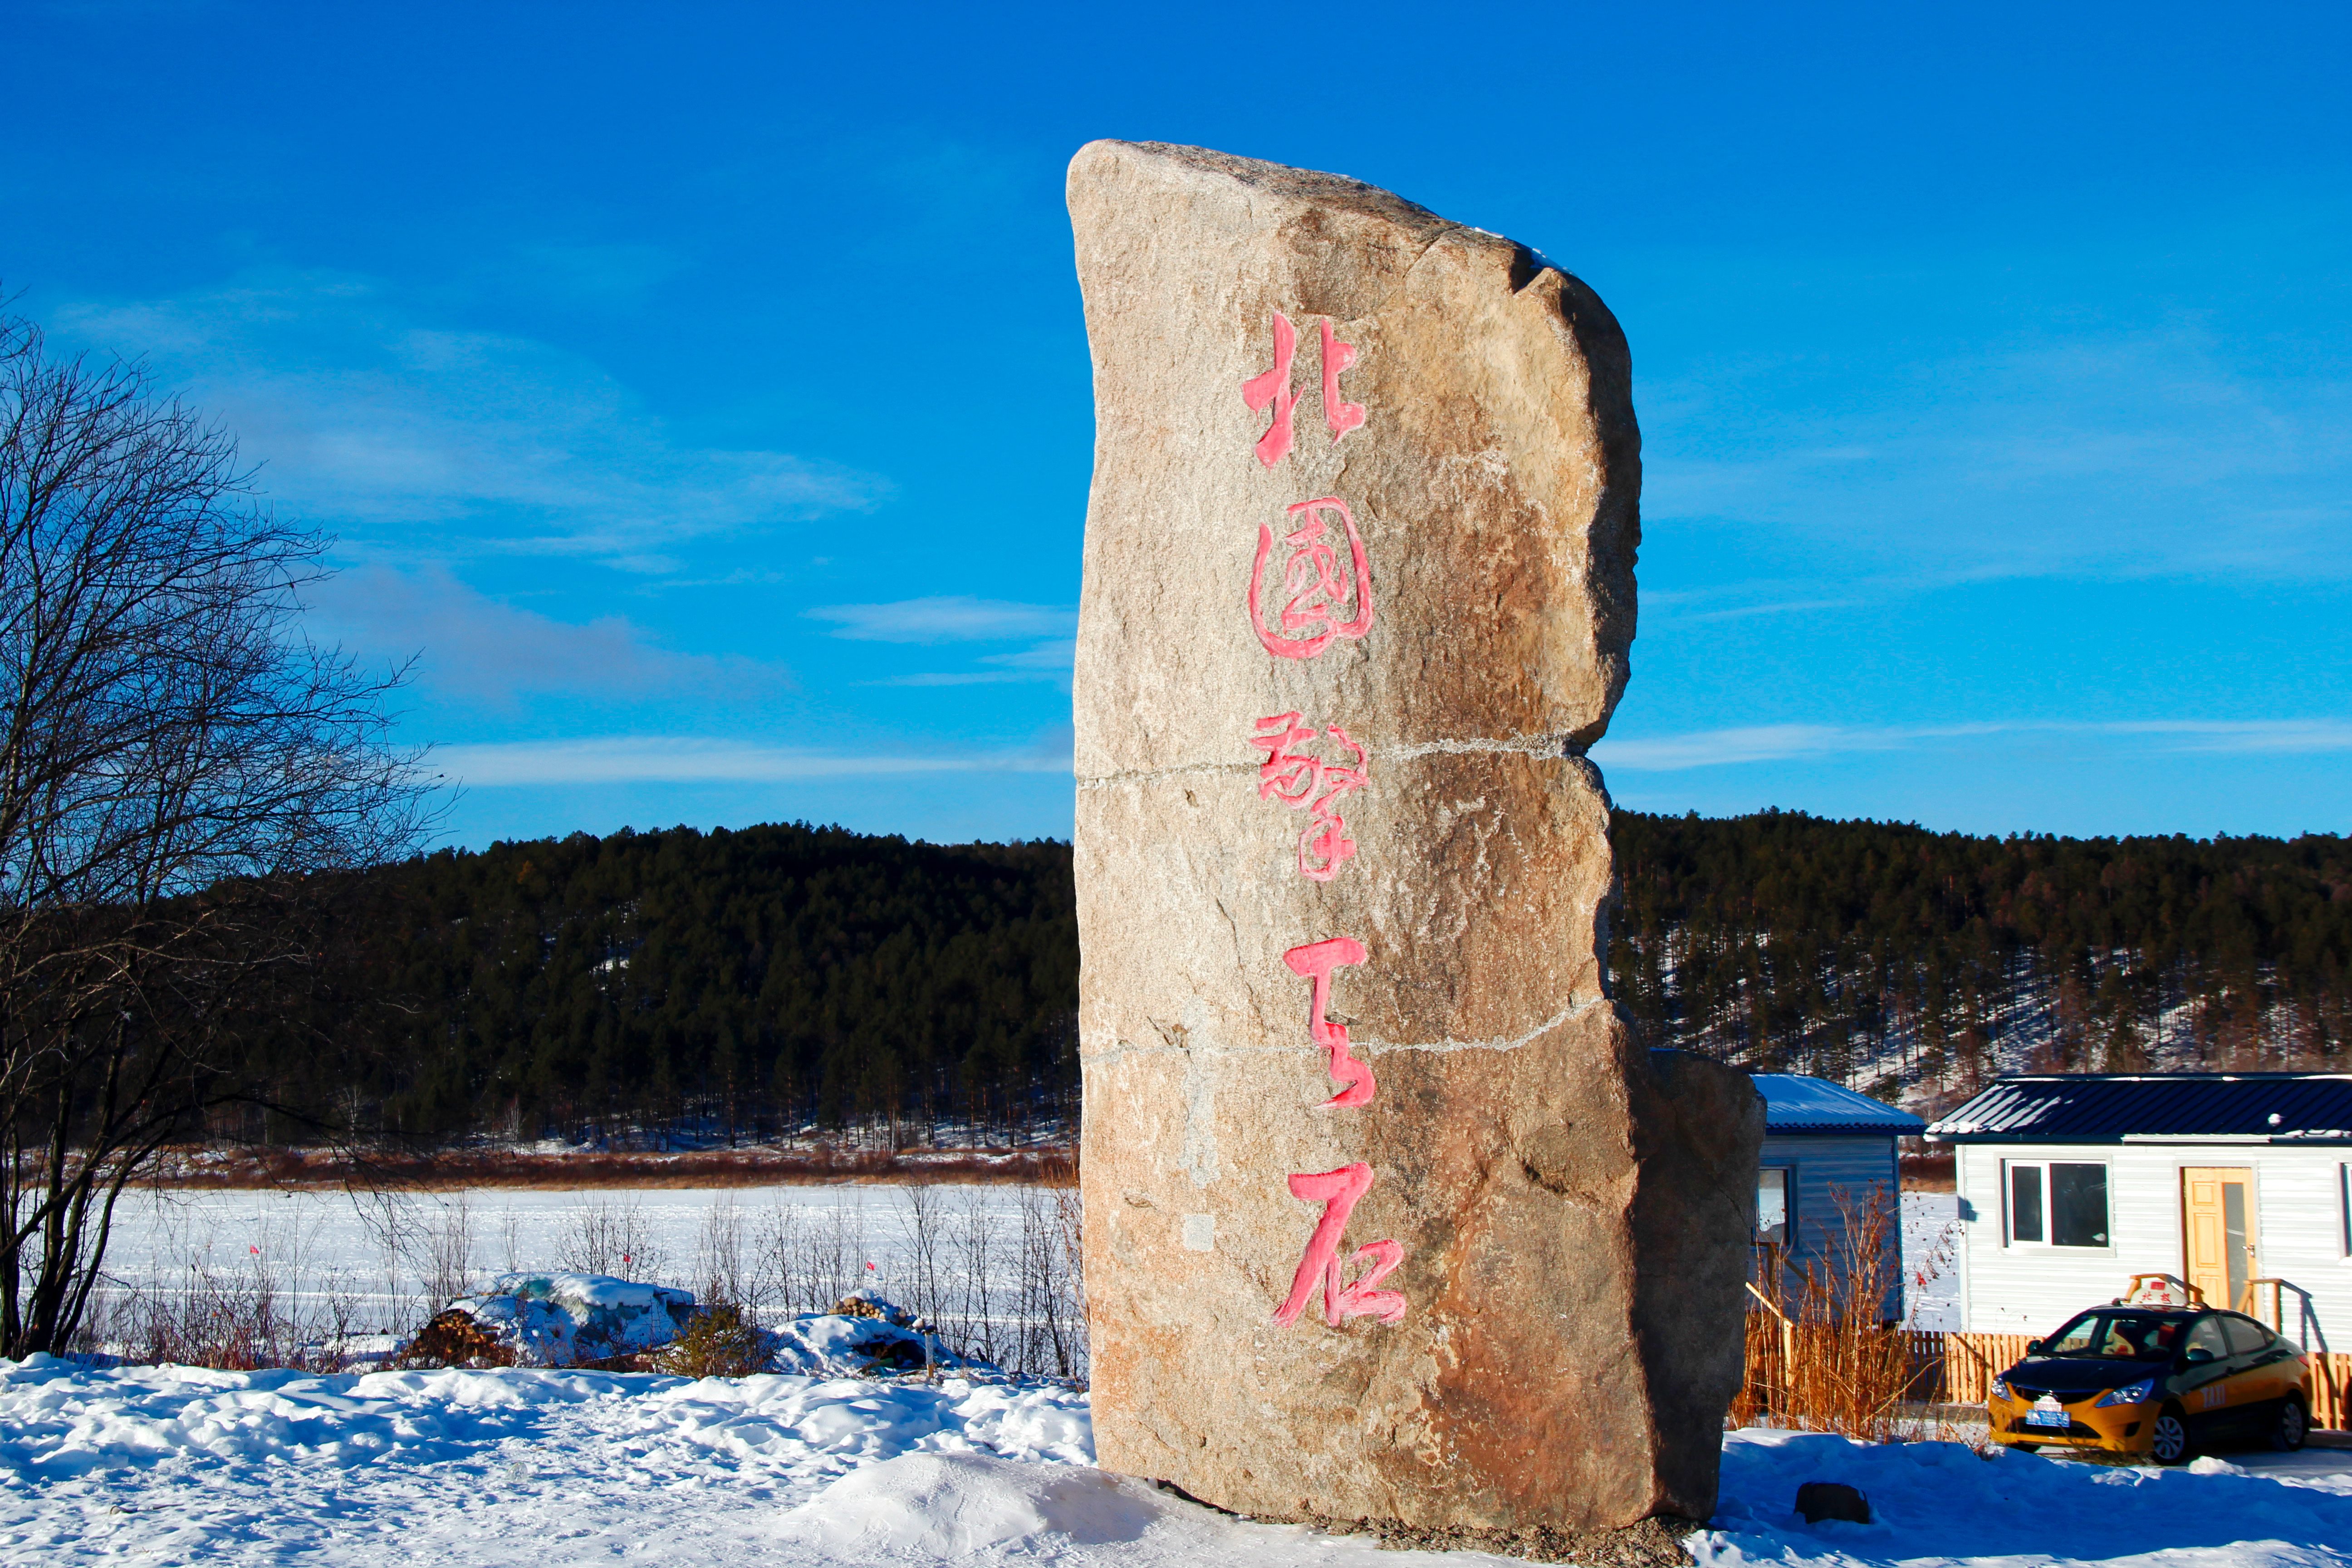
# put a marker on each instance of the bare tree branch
(179, 764)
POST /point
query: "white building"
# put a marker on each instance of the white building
(2239, 1183)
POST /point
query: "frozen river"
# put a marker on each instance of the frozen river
(981, 1261)
(967, 1256)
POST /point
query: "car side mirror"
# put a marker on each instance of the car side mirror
(2033, 1347)
(2197, 1357)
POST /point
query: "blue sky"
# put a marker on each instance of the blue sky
(703, 391)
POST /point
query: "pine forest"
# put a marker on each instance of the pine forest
(781, 981)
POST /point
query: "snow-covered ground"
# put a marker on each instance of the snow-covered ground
(162, 1465)
(1941, 1503)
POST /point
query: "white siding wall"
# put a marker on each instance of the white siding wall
(2299, 1232)
(1862, 1165)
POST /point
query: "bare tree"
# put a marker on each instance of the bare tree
(611, 1237)
(178, 763)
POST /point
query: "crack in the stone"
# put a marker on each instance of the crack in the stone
(1531, 746)
(1367, 1044)
(1555, 746)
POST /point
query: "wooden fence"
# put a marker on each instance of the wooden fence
(1959, 1369)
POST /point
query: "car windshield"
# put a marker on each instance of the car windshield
(2117, 1336)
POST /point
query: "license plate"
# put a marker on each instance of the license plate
(2048, 1413)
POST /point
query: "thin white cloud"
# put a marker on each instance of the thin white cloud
(1045, 661)
(1048, 659)
(2270, 736)
(1724, 748)
(369, 416)
(1783, 742)
(1781, 607)
(669, 759)
(474, 645)
(949, 618)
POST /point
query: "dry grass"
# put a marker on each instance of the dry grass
(1821, 1356)
(242, 1321)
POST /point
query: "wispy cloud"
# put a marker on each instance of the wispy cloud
(1783, 742)
(951, 618)
(372, 415)
(1676, 609)
(959, 618)
(669, 759)
(1046, 661)
(476, 647)
(2262, 736)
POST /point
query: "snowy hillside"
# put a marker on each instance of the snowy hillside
(543, 1467)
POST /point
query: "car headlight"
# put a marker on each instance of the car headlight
(2000, 1388)
(2139, 1393)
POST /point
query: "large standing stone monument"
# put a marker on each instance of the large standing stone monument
(1388, 1215)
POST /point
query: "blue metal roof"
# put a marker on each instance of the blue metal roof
(1795, 1104)
(2084, 1108)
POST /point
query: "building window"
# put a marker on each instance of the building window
(2024, 1203)
(2063, 1204)
(1772, 1189)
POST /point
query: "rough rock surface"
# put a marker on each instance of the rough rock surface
(1570, 1218)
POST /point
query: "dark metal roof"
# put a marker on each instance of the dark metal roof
(1795, 1104)
(2084, 1108)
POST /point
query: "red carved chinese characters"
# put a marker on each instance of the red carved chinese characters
(1303, 780)
(1338, 356)
(1343, 1298)
(1315, 595)
(1316, 961)
(1322, 594)
(1272, 388)
(1338, 1190)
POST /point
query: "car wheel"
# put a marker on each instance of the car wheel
(2169, 1442)
(2294, 1423)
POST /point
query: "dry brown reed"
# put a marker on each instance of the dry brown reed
(242, 1320)
(1824, 1352)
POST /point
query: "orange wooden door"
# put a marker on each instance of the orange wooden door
(2217, 1223)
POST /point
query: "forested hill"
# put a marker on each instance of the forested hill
(741, 982)
(1920, 964)
(751, 983)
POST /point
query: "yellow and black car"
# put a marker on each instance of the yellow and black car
(2158, 1380)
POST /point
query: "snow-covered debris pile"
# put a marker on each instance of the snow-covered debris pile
(556, 1320)
(864, 1332)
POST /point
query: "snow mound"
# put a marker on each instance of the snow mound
(822, 1344)
(562, 1320)
(954, 1505)
(1944, 1502)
